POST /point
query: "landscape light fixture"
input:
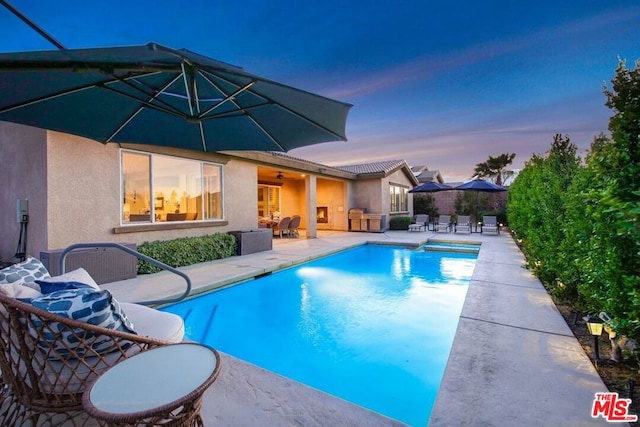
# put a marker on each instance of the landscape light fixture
(595, 326)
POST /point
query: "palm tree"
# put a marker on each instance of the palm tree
(495, 168)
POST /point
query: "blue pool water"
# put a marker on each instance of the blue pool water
(373, 325)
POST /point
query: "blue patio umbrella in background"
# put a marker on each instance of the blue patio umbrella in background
(430, 187)
(480, 185)
(156, 95)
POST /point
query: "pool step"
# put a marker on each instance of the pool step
(451, 247)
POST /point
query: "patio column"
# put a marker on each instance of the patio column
(310, 206)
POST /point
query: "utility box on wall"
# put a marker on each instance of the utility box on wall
(105, 265)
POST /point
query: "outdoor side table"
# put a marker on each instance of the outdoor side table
(162, 386)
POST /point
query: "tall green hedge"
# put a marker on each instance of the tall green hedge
(186, 251)
(579, 224)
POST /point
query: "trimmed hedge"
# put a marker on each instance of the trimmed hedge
(399, 222)
(578, 223)
(186, 251)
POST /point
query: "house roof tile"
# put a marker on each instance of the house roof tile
(384, 167)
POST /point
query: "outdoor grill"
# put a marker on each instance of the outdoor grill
(361, 221)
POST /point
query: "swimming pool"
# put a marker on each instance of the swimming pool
(372, 325)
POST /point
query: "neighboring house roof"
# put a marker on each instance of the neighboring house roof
(379, 169)
(430, 176)
(417, 170)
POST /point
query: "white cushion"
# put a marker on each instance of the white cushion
(17, 290)
(77, 275)
(155, 323)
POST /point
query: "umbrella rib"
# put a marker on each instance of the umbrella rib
(152, 95)
(241, 110)
(145, 103)
(228, 98)
(190, 88)
(272, 102)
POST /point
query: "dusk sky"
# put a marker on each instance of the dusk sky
(442, 84)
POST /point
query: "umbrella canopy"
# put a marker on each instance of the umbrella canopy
(430, 187)
(156, 95)
(480, 185)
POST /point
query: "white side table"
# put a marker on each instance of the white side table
(159, 386)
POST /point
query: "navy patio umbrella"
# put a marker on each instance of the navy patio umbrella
(480, 185)
(156, 95)
(430, 187)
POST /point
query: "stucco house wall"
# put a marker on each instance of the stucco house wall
(374, 195)
(23, 172)
(73, 188)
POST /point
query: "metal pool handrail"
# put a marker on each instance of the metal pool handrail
(161, 265)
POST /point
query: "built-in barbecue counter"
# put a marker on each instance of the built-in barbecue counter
(360, 220)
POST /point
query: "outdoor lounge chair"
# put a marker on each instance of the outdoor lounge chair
(490, 225)
(444, 223)
(421, 222)
(294, 224)
(48, 360)
(463, 224)
(282, 227)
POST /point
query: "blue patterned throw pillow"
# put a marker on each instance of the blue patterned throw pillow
(85, 305)
(50, 287)
(27, 271)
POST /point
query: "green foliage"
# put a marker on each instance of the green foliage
(472, 203)
(399, 222)
(424, 204)
(186, 251)
(536, 210)
(579, 226)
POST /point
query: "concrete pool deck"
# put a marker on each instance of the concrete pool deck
(514, 360)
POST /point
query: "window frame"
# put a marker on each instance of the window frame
(153, 222)
(398, 195)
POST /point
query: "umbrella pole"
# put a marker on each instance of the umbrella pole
(477, 210)
(33, 25)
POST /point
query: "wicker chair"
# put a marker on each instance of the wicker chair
(282, 227)
(43, 378)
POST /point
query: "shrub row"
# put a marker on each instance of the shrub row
(579, 224)
(399, 222)
(186, 251)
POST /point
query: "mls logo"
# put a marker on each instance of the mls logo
(612, 408)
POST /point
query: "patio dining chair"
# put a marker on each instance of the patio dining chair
(47, 360)
(294, 225)
(282, 227)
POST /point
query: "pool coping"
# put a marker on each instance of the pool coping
(513, 356)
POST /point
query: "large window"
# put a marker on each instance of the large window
(158, 188)
(399, 198)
